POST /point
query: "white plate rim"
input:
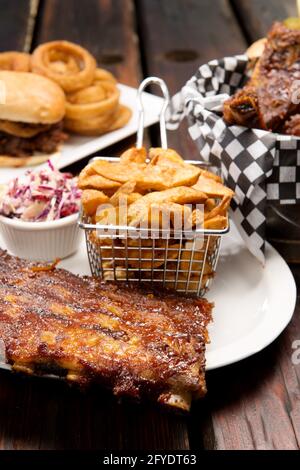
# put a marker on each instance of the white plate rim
(262, 336)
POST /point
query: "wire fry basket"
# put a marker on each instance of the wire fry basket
(184, 260)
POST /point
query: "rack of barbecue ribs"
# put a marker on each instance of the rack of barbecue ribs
(267, 100)
(138, 342)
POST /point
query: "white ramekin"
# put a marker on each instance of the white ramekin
(41, 241)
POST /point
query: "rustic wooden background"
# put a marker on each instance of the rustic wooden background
(254, 404)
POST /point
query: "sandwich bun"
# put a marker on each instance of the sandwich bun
(31, 98)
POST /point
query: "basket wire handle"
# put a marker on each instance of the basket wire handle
(162, 115)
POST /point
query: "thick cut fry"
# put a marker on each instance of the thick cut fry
(124, 172)
(185, 176)
(126, 199)
(170, 158)
(86, 171)
(134, 155)
(100, 241)
(119, 171)
(219, 222)
(209, 205)
(192, 256)
(98, 182)
(91, 199)
(139, 210)
(118, 198)
(154, 257)
(154, 179)
(221, 209)
(119, 274)
(165, 157)
(210, 175)
(107, 216)
(148, 177)
(213, 188)
(89, 179)
(169, 214)
(166, 216)
(182, 173)
(104, 245)
(196, 219)
(133, 197)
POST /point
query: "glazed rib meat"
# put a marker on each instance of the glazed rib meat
(267, 100)
(133, 340)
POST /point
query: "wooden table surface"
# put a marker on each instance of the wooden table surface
(254, 404)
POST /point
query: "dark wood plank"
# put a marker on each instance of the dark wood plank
(15, 24)
(104, 27)
(257, 16)
(254, 404)
(177, 37)
(45, 414)
(290, 361)
(36, 414)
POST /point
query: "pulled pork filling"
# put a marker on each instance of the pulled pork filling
(45, 141)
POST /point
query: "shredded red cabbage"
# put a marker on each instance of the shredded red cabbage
(39, 196)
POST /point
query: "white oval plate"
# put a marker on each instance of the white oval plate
(253, 304)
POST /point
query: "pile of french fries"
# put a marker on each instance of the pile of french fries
(154, 190)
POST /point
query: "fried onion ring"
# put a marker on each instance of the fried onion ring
(101, 124)
(95, 110)
(66, 63)
(124, 115)
(94, 126)
(93, 101)
(15, 61)
(104, 75)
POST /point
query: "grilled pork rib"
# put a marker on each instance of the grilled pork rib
(268, 100)
(136, 341)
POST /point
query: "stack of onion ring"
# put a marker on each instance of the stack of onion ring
(92, 95)
(15, 61)
(68, 64)
(96, 110)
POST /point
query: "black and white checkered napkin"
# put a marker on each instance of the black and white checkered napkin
(257, 165)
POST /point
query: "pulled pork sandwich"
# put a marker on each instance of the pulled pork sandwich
(31, 117)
